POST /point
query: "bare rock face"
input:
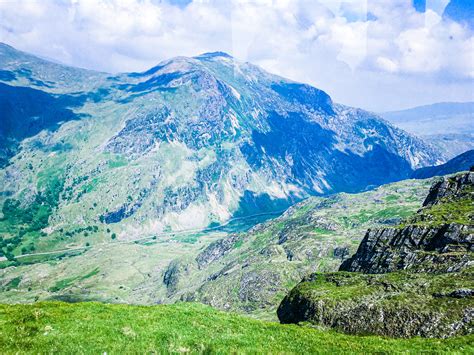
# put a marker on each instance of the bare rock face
(399, 304)
(217, 250)
(421, 246)
(416, 248)
(449, 188)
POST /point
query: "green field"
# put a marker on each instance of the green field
(97, 328)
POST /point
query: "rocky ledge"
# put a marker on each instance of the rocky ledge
(416, 279)
(398, 304)
(446, 248)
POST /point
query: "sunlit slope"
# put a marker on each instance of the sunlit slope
(185, 327)
(247, 272)
(190, 142)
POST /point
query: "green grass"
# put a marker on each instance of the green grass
(62, 284)
(95, 328)
(392, 198)
(460, 211)
(13, 283)
(117, 162)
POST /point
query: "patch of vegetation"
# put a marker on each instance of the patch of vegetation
(392, 198)
(62, 284)
(13, 283)
(34, 259)
(27, 221)
(365, 216)
(460, 211)
(185, 327)
(117, 163)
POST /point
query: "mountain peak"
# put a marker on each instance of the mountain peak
(213, 55)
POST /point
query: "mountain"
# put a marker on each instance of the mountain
(189, 143)
(413, 279)
(462, 162)
(448, 125)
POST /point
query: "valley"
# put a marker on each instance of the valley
(447, 125)
(249, 273)
(204, 180)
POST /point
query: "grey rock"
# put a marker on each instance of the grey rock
(448, 187)
(217, 250)
(421, 249)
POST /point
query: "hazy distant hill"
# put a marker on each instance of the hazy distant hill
(447, 125)
(462, 162)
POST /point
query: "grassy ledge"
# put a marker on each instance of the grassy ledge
(50, 327)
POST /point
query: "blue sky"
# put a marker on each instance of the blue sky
(376, 54)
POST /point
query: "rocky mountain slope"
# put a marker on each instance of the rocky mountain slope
(459, 163)
(247, 272)
(424, 277)
(189, 143)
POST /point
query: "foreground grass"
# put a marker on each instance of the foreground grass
(49, 327)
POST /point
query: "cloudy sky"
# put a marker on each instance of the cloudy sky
(376, 54)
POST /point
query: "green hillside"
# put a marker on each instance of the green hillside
(247, 272)
(186, 327)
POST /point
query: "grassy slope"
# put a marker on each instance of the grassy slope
(98, 328)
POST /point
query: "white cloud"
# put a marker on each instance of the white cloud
(351, 48)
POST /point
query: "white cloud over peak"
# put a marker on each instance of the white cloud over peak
(375, 54)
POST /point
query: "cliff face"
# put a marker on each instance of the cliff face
(446, 248)
(425, 244)
(449, 188)
(416, 279)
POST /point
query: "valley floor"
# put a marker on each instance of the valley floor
(50, 327)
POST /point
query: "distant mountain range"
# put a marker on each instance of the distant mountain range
(462, 162)
(188, 143)
(449, 125)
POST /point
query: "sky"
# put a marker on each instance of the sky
(379, 55)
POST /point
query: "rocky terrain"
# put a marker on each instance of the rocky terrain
(396, 304)
(113, 186)
(412, 279)
(248, 272)
(188, 144)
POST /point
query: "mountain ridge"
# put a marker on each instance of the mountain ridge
(447, 125)
(192, 141)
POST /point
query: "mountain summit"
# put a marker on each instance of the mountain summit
(190, 142)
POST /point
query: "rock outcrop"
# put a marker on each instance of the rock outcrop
(446, 248)
(421, 246)
(397, 304)
(412, 280)
(452, 187)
